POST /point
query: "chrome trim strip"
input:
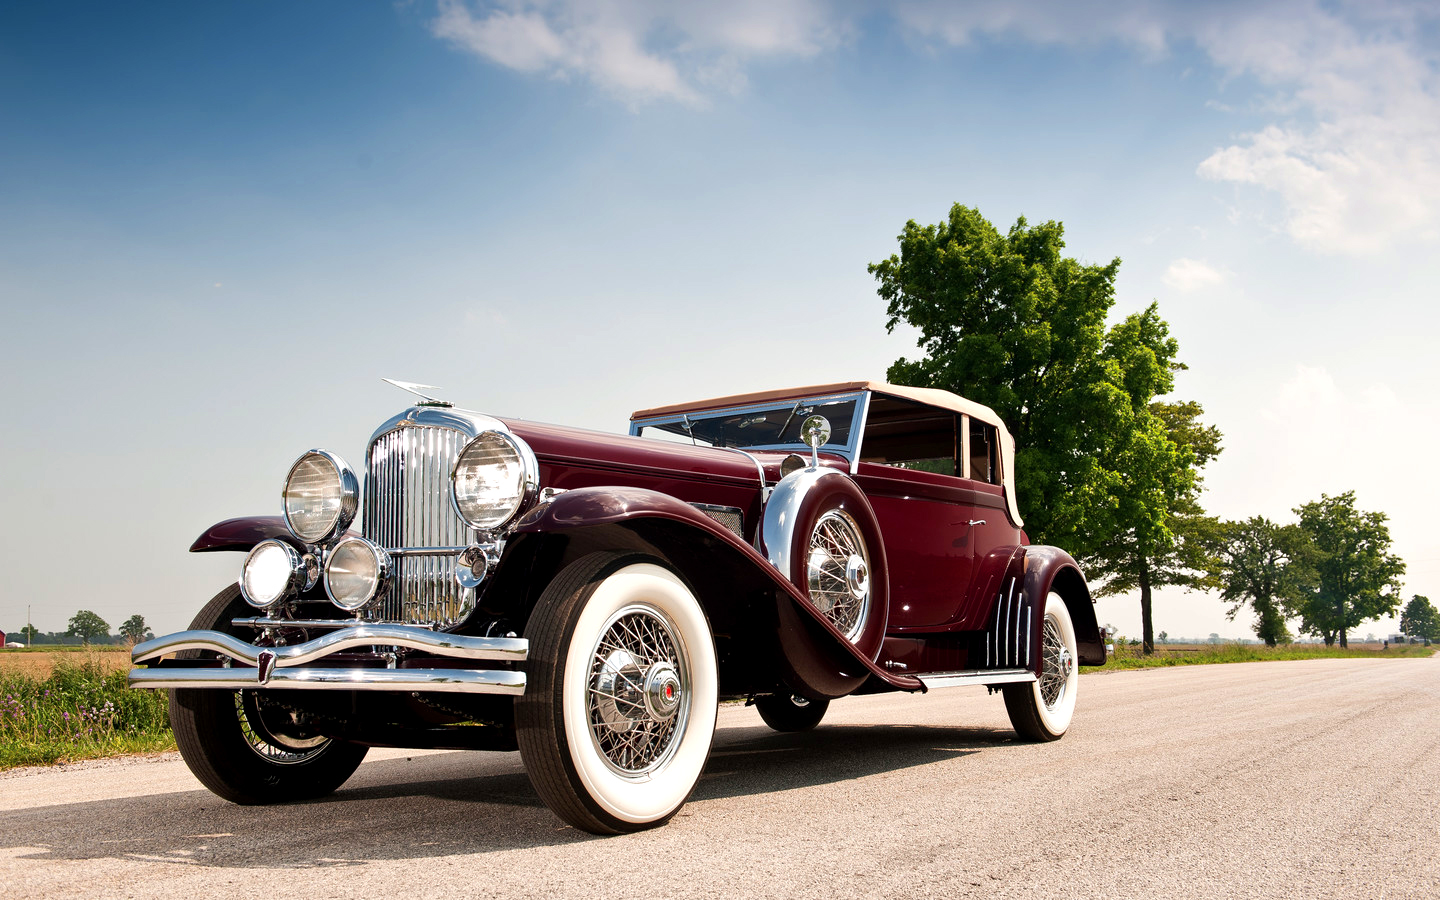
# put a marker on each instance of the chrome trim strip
(425, 551)
(461, 646)
(469, 681)
(760, 469)
(271, 622)
(973, 676)
(857, 428)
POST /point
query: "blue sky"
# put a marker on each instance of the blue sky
(222, 224)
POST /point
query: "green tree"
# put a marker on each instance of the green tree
(1420, 619)
(1357, 577)
(1266, 567)
(1100, 469)
(28, 633)
(86, 625)
(1178, 552)
(133, 629)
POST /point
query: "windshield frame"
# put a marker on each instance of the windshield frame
(848, 450)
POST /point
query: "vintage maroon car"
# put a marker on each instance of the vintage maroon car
(589, 598)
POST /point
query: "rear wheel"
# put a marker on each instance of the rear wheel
(791, 712)
(1042, 711)
(622, 690)
(245, 746)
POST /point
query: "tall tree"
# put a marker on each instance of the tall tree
(87, 626)
(1178, 553)
(1420, 619)
(1011, 322)
(1357, 577)
(133, 629)
(1266, 567)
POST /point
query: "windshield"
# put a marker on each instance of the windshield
(773, 425)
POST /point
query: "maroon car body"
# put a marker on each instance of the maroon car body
(737, 562)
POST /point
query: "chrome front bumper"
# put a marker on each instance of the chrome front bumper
(285, 668)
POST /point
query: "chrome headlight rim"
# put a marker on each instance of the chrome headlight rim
(528, 488)
(297, 581)
(383, 570)
(349, 486)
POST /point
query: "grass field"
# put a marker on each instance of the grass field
(1128, 657)
(59, 707)
(39, 662)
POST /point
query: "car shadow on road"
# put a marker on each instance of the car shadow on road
(447, 804)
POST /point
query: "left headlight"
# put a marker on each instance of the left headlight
(494, 480)
(321, 497)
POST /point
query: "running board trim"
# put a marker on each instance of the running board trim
(976, 676)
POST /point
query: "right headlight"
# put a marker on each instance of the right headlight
(494, 480)
(355, 572)
(321, 497)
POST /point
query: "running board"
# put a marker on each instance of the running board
(976, 676)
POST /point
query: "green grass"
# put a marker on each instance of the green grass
(1126, 657)
(81, 711)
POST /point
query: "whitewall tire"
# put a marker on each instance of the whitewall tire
(1042, 711)
(622, 690)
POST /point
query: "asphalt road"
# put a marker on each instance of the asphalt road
(1304, 779)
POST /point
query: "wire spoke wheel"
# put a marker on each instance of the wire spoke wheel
(1042, 711)
(1056, 664)
(838, 572)
(638, 699)
(268, 743)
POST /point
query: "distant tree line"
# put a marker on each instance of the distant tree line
(86, 627)
(1107, 465)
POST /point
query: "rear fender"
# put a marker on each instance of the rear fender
(1052, 569)
(744, 595)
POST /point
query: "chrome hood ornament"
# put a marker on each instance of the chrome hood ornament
(419, 391)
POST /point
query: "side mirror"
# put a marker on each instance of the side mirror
(815, 431)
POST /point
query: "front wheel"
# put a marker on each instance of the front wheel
(245, 747)
(622, 691)
(1042, 711)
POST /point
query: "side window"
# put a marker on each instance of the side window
(911, 436)
(984, 453)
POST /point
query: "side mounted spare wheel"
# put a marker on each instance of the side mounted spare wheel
(820, 531)
(622, 691)
(244, 746)
(1042, 710)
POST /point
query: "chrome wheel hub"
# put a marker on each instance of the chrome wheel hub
(662, 691)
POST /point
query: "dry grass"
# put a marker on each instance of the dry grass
(40, 664)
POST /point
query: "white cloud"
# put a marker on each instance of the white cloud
(1187, 275)
(640, 50)
(1311, 390)
(1354, 157)
(1351, 90)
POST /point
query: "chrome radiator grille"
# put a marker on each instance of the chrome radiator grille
(407, 504)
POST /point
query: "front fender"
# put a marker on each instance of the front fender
(818, 656)
(243, 533)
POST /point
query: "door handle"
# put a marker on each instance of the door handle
(974, 522)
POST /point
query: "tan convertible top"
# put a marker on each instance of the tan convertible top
(927, 396)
